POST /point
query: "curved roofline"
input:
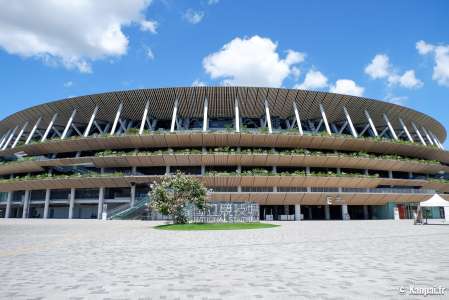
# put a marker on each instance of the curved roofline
(86, 103)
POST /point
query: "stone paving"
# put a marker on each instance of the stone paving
(90, 259)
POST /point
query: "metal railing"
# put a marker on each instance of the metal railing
(139, 204)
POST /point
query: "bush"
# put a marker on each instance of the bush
(174, 193)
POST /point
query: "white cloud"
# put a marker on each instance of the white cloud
(193, 16)
(424, 48)
(69, 33)
(441, 59)
(212, 2)
(150, 26)
(407, 80)
(251, 61)
(68, 84)
(313, 80)
(380, 68)
(347, 87)
(149, 53)
(399, 100)
(198, 83)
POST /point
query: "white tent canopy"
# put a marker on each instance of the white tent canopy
(435, 201)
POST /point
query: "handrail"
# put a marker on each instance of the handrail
(140, 203)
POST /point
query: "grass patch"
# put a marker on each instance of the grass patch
(215, 226)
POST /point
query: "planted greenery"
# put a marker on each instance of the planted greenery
(256, 151)
(215, 226)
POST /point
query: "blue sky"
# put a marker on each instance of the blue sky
(392, 50)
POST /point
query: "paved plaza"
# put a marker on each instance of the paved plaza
(90, 259)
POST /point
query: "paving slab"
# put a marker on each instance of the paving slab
(92, 259)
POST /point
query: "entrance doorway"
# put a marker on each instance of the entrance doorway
(277, 212)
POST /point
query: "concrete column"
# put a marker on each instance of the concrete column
(203, 170)
(100, 202)
(396, 216)
(8, 205)
(390, 174)
(133, 195)
(286, 210)
(71, 203)
(365, 212)
(47, 203)
(167, 170)
(446, 214)
(344, 212)
(26, 204)
(297, 212)
(310, 212)
(327, 212)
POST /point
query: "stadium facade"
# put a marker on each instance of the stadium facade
(296, 154)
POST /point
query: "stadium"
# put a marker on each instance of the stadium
(289, 154)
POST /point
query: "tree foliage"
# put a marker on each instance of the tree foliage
(174, 193)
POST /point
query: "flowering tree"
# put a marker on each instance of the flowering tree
(173, 193)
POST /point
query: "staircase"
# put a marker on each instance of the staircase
(130, 213)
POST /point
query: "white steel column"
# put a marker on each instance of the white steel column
(91, 121)
(50, 125)
(19, 135)
(47, 203)
(33, 130)
(8, 205)
(427, 135)
(326, 124)
(297, 212)
(237, 115)
(435, 139)
(174, 116)
(9, 138)
(4, 138)
(406, 130)
(205, 120)
(298, 119)
(351, 125)
(393, 133)
(144, 117)
(71, 203)
(267, 115)
(100, 203)
(371, 123)
(26, 204)
(117, 117)
(419, 134)
(69, 123)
